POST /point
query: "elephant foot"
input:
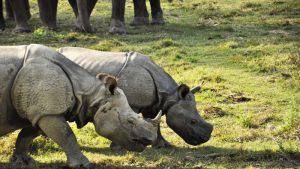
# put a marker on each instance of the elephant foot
(2, 26)
(22, 160)
(117, 27)
(51, 28)
(138, 21)
(22, 29)
(161, 143)
(80, 27)
(9, 18)
(158, 21)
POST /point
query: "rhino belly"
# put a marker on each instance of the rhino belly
(11, 59)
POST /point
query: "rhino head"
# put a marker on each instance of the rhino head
(183, 117)
(115, 120)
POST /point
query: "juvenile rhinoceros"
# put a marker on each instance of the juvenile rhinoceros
(41, 89)
(148, 89)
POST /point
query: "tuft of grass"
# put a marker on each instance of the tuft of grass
(108, 45)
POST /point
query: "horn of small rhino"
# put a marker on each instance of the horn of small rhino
(156, 120)
(197, 88)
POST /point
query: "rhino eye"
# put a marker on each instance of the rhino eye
(193, 121)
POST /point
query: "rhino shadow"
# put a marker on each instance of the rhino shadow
(211, 154)
(63, 166)
(206, 155)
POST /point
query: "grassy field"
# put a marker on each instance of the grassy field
(248, 53)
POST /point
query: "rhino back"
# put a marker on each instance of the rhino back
(134, 80)
(95, 61)
(142, 81)
(11, 60)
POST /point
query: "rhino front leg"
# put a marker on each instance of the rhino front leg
(56, 128)
(25, 138)
(160, 142)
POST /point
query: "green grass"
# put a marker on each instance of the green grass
(248, 53)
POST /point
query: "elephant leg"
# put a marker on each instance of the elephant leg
(56, 128)
(117, 25)
(141, 15)
(83, 19)
(157, 13)
(160, 142)
(48, 12)
(9, 11)
(2, 22)
(19, 10)
(27, 9)
(73, 4)
(25, 138)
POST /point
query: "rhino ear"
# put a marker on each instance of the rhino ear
(183, 90)
(111, 84)
(109, 81)
(101, 76)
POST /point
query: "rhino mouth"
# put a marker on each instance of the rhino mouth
(196, 141)
(138, 145)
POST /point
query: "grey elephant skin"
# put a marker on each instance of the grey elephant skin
(20, 12)
(148, 89)
(41, 90)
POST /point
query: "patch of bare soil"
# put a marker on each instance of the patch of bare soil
(213, 112)
(236, 98)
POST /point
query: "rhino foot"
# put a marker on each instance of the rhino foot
(158, 21)
(162, 143)
(117, 27)
(116, 147)
(138, 21)
(89, 166)
(22, 160)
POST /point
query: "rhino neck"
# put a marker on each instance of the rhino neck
(82, 111)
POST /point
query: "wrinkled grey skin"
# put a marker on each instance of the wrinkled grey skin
(148, 89)
(41, 90)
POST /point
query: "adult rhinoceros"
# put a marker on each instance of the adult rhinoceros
(148, 89)
(41, 89)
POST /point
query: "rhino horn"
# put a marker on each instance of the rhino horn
(197, 88)
(156, 120)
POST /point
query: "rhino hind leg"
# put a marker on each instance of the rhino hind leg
(20, 155)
